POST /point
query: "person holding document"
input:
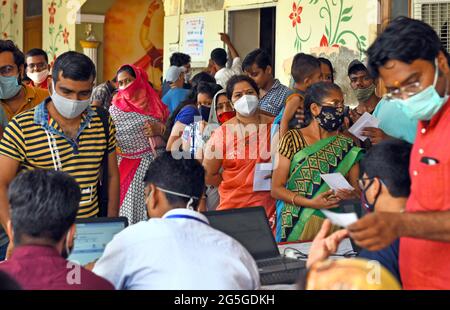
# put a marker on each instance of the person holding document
(305, 154)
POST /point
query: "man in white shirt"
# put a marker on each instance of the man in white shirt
(219, 62)
(176, 249)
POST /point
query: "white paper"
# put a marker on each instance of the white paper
(194, 39)
(366, 120)
(260, 183)
(336, 181)
(341, 219)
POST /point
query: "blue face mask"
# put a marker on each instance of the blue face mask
(204, 111)
(9, 87)
(424, 105)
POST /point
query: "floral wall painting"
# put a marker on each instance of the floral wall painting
(11, 20)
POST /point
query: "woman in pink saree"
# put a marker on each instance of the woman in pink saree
(139, 116)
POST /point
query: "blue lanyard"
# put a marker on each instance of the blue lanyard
(188, 217)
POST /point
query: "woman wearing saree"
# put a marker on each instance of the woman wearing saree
(305, 154)
(237, 147)
(139, 116)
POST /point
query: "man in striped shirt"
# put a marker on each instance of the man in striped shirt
(63, 133)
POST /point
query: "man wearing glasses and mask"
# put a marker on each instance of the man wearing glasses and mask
(37, 68)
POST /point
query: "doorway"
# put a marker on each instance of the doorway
(32, 29)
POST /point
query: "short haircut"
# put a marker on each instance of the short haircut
(238, 79)
(208, 88)
(184, 176)
(128, 69)
(317, 93)
(179, 59)
(389, 161)
(327, 62)
(405, 40)
(44, 204)
(358, 68)
(202, 77)
(303, 66)
(258, 57)
(74, 66)
(219, 56)
(9, 46)
(37, 52)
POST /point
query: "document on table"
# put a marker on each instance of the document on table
(366, 120)
(260, 181)
(336, 181)
(341, 219)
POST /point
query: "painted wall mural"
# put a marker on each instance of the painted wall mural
(11, 20)
(134, 34)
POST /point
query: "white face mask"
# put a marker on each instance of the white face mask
(247, 105)
(69, 109)
(38, 77)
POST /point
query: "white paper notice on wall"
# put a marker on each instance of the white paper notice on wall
(366, 120)
(341, 219)
(194, 38)
(262, 182)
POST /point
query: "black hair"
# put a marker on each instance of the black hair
(43, 204)
(327, 62)
(202, 77)
(7, 283)
(37, 52)
(358, 68)
(258, 57)
(238, 79)
(219, 56)
(406, 40)
(303, 66)
(208, 88)
(74, 66)
(185, 176)
(316, 93)
(9, 46)
(389, 161)
(128, 69)
(179, 59)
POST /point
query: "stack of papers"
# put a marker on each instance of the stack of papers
(366, 120)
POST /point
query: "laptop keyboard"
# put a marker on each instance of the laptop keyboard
(282, 277)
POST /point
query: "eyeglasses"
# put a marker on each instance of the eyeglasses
(407, 90)
(6, 70)
(37, 67)
(361, 182)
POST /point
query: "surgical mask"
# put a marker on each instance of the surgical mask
(365, 202)
(204, 111)
(9, 87)
(187, 77)
(226, 116)
(330, 118)
(247, 105)
(364, 94)
(424, 105)
(38, 77)
(68, 108)
(67, 250)
(190, 203)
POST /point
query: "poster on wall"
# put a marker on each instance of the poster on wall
(194, 39)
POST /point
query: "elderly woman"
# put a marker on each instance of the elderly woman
(237, 147)
(136, 109)
(305, 154)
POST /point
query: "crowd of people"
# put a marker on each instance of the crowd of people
(72, 150)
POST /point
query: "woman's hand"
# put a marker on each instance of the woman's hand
(153, 129)
(325, 200)
(345, 194)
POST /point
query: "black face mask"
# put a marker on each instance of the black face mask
(204, 111)
(330, 118)
(365, 202)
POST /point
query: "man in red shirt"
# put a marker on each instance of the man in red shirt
(37, 68)
(44, 205)
(414, 66)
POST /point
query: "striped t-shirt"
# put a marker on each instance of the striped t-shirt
(35, 140)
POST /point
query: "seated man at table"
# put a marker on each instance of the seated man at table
(176, 249)
(385, 184)
(44, 205)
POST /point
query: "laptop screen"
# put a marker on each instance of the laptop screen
(250, 227)
(92, 236)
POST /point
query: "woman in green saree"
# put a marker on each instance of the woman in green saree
(305, 154)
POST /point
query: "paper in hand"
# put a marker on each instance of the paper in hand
(336, 181)
(341, 219)
(366, 120)
(260, 181)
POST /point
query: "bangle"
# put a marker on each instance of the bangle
(292, 200)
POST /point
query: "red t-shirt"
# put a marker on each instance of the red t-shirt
(423, 263)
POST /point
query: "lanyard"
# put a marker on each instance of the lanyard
(188, 217)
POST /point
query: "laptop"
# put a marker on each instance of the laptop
(92, 236)
(251, 228)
